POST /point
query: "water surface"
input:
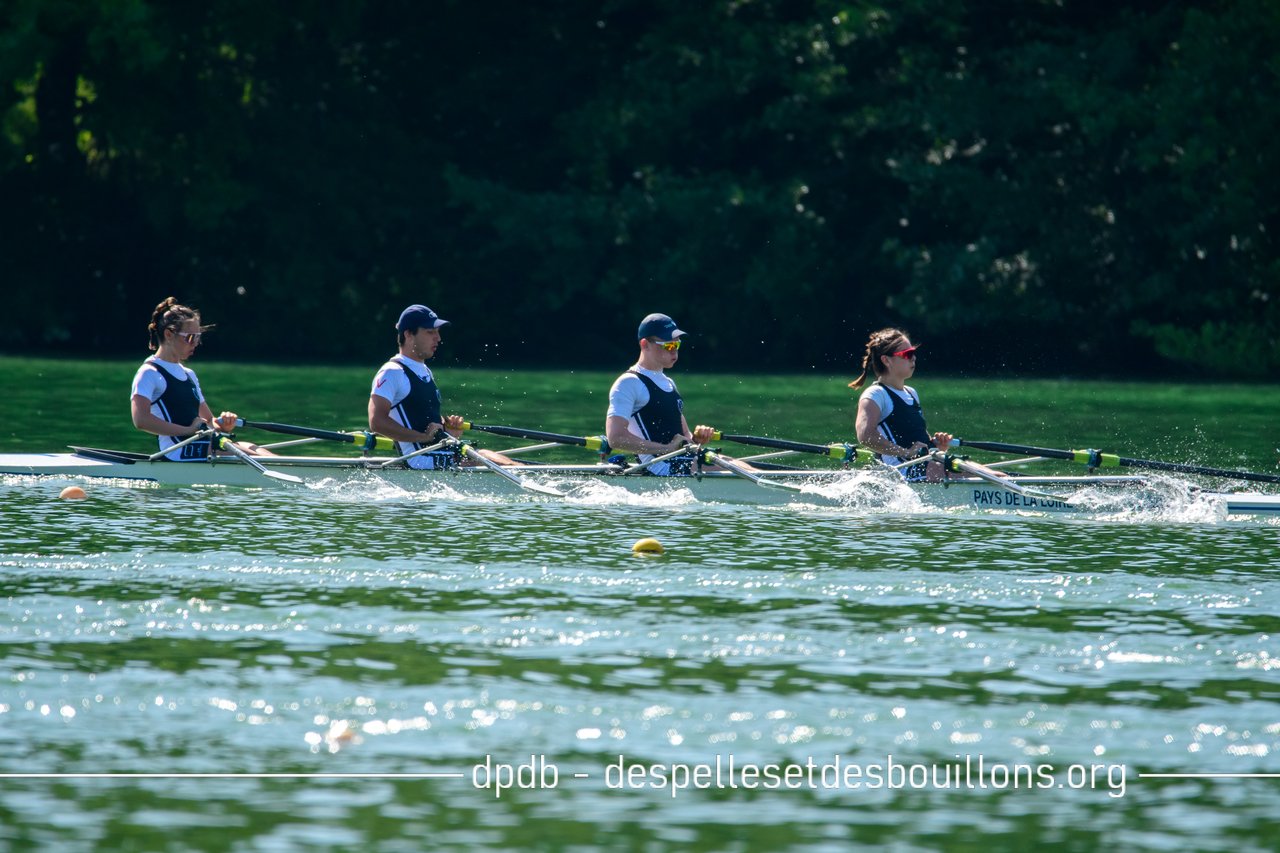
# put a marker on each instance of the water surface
(372, 631)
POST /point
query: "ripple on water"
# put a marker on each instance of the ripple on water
(328, 629)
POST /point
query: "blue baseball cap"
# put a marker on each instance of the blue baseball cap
(659, 326)
(418, 317)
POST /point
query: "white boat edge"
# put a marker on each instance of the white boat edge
(817, 485)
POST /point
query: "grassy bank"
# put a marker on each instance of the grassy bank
(48, 404)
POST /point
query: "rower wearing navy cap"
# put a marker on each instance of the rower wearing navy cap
(646, 412)
(404, 403)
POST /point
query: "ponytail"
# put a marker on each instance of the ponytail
(879, 344)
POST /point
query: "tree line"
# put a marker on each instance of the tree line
(1029, 186)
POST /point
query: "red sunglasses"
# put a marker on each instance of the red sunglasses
(909, 352)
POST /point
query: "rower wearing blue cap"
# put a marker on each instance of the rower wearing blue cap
(646, 412)
(404, 403)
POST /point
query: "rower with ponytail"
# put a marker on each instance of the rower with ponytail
(890, 418)
(166, 399)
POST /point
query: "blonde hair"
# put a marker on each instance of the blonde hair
(170, 314)
(880, 343)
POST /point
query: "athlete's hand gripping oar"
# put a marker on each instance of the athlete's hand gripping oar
(1097, 459)
(590, 442)
(364, 440)
(224, 442)
(523, 482)
(844, 452)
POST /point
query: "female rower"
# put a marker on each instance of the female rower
(890, 420)
(167, 400)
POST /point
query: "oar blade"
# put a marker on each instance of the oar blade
(247, 458)
(501, 470)
(284, 478)
(735, 467)
(540, 489)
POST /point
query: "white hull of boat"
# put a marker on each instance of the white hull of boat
(818, 486)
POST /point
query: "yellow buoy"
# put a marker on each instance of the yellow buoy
(72, 493)
(647, 546)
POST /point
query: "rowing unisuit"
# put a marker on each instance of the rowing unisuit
(654, 410)
(175, 396)
(415, 403)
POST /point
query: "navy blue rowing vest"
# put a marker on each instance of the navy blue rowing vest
(660, 419)
(179, 405)
(905, 421)
(906, 426)
(422, 406)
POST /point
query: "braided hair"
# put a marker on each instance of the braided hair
(881, 343)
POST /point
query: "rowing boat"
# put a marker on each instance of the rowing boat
(1034, 494)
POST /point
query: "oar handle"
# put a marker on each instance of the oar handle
(843, 452)
(364, 440)
(590, 442)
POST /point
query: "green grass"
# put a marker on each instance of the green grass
(48, 404)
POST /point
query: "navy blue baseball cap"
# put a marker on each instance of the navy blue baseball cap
(659, 326)
(418, 317)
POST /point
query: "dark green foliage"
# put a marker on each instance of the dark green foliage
(1030, 186)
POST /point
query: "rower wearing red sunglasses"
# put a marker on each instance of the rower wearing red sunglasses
(890, 419)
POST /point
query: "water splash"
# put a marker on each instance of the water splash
(370, 488)
(600, 492)
(869, 490)
(1161, 499)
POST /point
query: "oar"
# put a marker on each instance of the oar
(1097, 459)
(523, 482)
(590, 442)
(844, 452)
(713, 458)
(364, 440)
(448, 441)
(225, 444)
(993, 477)
(641, 466)
(197, 436)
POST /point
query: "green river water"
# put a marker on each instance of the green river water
(329, 668)
(788, 677)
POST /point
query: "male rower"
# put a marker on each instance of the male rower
(404, 403)
(646, 412)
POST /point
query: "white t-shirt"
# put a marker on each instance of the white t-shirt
(629, 395)
(391, 383)
(148, 382)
